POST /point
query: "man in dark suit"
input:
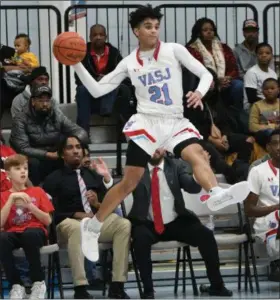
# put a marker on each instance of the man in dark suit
(158, 214)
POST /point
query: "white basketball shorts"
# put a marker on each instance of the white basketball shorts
(152, 132)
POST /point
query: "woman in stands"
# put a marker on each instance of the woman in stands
(24, 215)
(205, 46)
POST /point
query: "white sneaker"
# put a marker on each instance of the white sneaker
(17, 292)
(89, 241)
(224, 197)
(38, 290)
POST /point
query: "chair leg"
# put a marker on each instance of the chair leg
(105, 271)
(239, 266)
(1, 283)
(49, 276)
(137, 276)
(194, 285)
(248, 271)
(53, 276)
(184, 271)
(58, 274)
(254, 267)
(177, 271)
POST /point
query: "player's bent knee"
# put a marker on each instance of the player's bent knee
(186, 146)
(193, 153)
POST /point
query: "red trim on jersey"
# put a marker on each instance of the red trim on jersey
(188, 130)
(156, 52)
(271, 232)
(140, 132)
(273, 169)
(277, 215)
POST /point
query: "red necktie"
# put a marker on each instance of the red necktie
(158, 221)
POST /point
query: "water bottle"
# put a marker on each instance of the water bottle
(211, 223)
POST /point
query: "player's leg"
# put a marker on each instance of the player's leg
(137, 160)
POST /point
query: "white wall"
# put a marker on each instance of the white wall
(120, 34)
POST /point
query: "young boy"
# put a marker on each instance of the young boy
(255, 76)
(265, 115)
(25, 213)
(23, 56)
(155, 71)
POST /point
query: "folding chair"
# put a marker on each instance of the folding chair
(181, 247)
(238, 237)
(52, 251)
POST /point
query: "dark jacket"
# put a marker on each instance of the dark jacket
(114, 58)
(177, 176)
(34, 136)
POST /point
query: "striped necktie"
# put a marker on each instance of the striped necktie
(83, 190)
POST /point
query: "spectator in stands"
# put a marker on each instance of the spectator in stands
(25, 213)
(23, 56)
(39, 76)
(245, 52)
(265, 114)
(101, 59)
(255, 76)
(76, 192)
(158, 214)
(263, 202)
(37, 130)
(9, 89)
(205, 45)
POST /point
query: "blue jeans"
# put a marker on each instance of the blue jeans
(233, 95)
(87, 105)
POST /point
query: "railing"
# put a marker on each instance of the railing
(271, 23)
(42, 23)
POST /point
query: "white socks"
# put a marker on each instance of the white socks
(95, 225)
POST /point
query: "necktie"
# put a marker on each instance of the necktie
(83, 190)
(158, 221)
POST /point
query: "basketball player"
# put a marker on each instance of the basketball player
(155, 70)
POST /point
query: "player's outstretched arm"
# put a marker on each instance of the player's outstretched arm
(197, 68)
(107, 84)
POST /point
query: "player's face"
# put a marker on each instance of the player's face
(148, 33)
(73, 152)
(21, 45)
(271, 90)
(264, 55)
(18, 174)
(274, 147)
(207, 32)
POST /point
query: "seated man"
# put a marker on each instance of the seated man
(25, 213)
(76, 192)
(263, 202)
(158, 214)
(37, 130)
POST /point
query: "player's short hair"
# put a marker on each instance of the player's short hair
(270, 80)
(273, 133)
(24, 36)
(197, 28)
(14, 161)
(144, 12)
(263, 45)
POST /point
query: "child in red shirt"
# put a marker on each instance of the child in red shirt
(25, 213)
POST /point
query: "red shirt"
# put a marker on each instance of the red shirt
(100, 61)
(18, 222)
(5, 184)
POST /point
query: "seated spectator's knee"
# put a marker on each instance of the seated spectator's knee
(141, 235)
(237, 84)
(125, 226)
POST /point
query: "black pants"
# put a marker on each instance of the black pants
(31, 240)
(182, 229)
(39, 169)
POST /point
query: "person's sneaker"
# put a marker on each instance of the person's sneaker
(38, 290)
(89, 240)
(274, 274)
(224, 197)
(222, 292)
(17, 292)
(116, 291)
(82, 294)
(96, 284)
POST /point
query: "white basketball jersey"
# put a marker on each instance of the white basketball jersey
(157, 80)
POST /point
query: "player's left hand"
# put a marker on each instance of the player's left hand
(194, 100)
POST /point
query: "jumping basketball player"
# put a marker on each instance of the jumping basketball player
(155, 71)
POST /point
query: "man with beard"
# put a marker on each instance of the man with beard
(37, 131)
(158, 214)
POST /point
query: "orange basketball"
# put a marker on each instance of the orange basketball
(69, 48)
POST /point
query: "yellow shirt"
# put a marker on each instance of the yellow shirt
(264, 115)
(30, 58)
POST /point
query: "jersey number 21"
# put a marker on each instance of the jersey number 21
(160, 94)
